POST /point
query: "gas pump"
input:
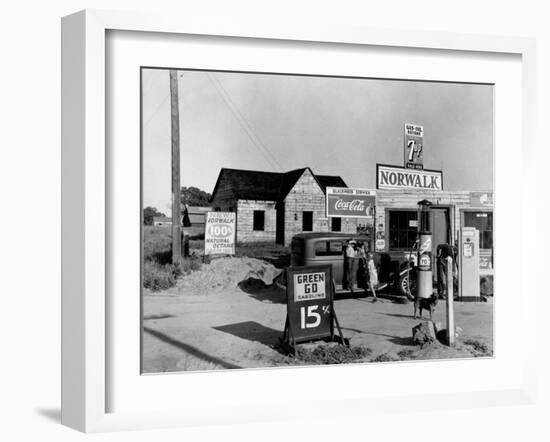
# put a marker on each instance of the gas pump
(424, 274)
(469, 264)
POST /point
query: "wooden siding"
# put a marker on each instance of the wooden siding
(245, 221)
(408, 199)
(223, 199)
(307, 196)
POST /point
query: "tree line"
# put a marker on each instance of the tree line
(189, 196)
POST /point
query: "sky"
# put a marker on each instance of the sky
(336, 126)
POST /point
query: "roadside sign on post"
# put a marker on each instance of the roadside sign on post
(310, 306)
(219, 233)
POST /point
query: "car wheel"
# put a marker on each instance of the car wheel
(406, 285)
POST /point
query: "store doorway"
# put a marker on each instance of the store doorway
(441, 232)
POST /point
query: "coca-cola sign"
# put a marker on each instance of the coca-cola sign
(350, 203)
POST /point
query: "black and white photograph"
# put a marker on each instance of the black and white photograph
(295, 220)
(232, 221)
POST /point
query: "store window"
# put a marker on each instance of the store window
(402, 229)
(259, 220)
(336, 224)
(482, 221)
(307, 221)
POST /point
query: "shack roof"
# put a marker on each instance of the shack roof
(268, 186)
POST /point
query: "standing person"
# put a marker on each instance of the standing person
(351, 257)
(373, 273)
(346, 265)
(362, 271)
(443, 251)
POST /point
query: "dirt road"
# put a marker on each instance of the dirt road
(240, 328)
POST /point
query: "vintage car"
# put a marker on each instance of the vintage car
(318, 248)
(310, 249)
(395, 274)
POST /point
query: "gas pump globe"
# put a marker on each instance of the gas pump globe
(424, 278)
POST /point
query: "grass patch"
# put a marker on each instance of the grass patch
(478, 348)
(332, 354)
(158, 271)
(406, 355)
(160, 274)
(384, 357)
(157, 244)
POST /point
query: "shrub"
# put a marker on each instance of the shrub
(478, 348)
(158, 276)
(406, 354)
(384, 357)
(158, 271)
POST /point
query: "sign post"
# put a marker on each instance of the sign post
(451, 333)
(310, 306)
(219, 233)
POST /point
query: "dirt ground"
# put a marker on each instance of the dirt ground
(238, 325)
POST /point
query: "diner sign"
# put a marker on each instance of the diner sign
(350, 203)
(391, 177)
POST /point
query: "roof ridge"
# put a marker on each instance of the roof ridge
(250, 170)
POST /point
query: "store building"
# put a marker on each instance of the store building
(396, 222)
(196, 217)
(273, 207)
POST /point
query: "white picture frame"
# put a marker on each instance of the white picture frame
(86, 310)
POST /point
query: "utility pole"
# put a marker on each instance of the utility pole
(175, 117)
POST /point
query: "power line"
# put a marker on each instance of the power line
(152, 114)
(243, 122)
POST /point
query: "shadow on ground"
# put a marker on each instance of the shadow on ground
(398, 315)
(189, 349)
(272, 294)
(252, 331)
(150, 317)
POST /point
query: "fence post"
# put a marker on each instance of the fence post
(450, 304)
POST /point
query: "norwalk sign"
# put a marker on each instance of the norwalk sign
(391, 177)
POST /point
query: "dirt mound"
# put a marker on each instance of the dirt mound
(225, 273)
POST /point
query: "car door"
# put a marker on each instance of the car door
(330, 251)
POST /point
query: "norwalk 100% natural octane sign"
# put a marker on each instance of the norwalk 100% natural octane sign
(310, 309)
(219, 233)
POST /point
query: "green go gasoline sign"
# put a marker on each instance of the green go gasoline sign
(310, 308)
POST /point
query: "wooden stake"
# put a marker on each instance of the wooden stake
(175, 119)
(450, 304)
